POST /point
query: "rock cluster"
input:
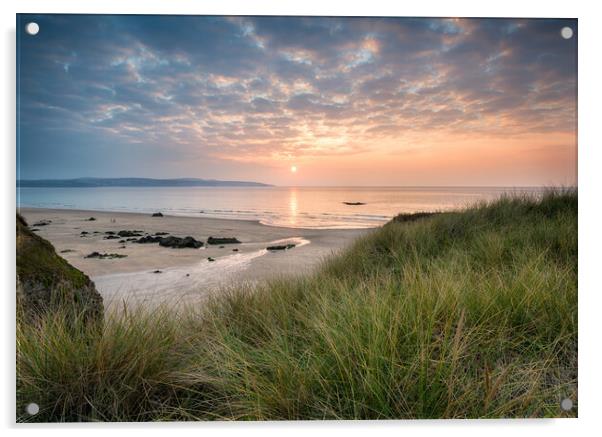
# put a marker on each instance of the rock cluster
(105, 255)
(281, 247)
(171, 241)
(180, 243)
(130, 233)
(222, 240)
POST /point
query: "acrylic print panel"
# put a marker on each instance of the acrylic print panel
(267, 218)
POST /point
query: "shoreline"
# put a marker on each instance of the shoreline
(185, 274)
(167, 214)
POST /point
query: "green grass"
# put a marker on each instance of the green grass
(456, 315)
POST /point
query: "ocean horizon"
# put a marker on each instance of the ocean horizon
(296, 207)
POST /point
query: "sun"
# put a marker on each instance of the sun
(293, 169)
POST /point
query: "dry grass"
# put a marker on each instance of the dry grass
(456, 315)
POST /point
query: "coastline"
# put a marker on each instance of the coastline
(377, 220)
(185, 274)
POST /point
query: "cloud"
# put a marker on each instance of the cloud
(261, 88)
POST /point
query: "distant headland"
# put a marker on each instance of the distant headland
(134, 182)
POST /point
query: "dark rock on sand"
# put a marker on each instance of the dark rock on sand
(157, 271)
(105, 255)
(281, 247)
(210, 259)
(354, 203)
(91, 219)
(130, 233)
(157, 214)
(83, 233)
(161, 233)
(171, 241)
(34, 229)
(47, 282)
(148, 239)
(222, 240)
(67, 251)
(43, 223)
(110, 232)
(234, 250)
(111, 237)
(180, 243)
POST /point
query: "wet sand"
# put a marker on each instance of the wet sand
(186, 274)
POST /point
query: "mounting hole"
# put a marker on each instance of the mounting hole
(566, 404)
(32, 28)
(32, 409)
(566, 32)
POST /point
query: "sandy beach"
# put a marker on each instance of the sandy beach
(186, 275)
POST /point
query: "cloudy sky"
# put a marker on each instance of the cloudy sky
(348, 101)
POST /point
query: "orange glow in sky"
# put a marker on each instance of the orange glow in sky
(350, 101)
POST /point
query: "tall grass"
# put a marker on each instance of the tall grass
(456, 315)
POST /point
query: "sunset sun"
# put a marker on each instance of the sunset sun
(293, 169)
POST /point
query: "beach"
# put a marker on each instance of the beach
(150, 274)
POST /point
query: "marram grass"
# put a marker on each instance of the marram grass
(470, 314)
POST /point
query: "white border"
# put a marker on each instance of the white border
(589, 217)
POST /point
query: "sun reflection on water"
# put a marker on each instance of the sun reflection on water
(292, 205)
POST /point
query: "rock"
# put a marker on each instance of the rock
(222, 240)
(67, 251)
(157, 271)
(47, 282)
(157, 214)
(187, 274)
(234, 250)
(131, 239)
(130, 233)
(281, 247)
(105, 255)
(221, 247)
(111, 237)
(161, 233)
(148, 239)
(210, 259)
(354, 203)
(91, 219)
(83, 233)
(35, 229)
(180, 243)
(43, 223)
(110, 233)
(171, 241)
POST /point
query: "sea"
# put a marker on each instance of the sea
(297, 207)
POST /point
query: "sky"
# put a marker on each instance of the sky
(346, 101)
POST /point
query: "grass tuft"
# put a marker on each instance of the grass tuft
(469, 314)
